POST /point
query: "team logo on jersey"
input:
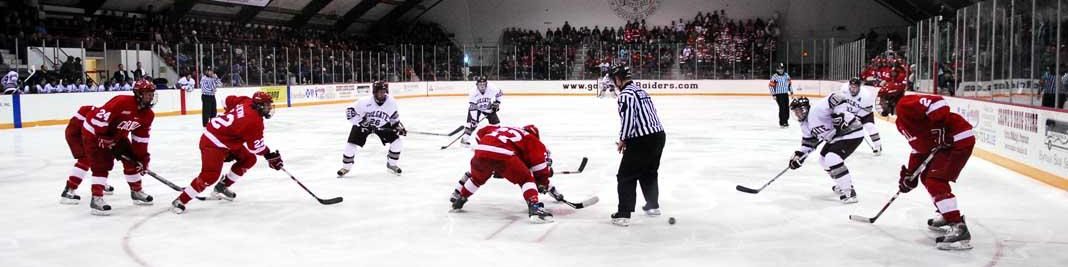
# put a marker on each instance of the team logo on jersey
(634, 9)
(128, 125)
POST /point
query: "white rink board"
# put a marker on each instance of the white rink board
(714, 143)
(1033, 136)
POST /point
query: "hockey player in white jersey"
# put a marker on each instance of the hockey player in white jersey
(10, 82)
(606, 85)
(829, 121)
(374, 115)
(485, 100)
(864, 104)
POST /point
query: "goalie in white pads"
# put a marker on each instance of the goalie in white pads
(829, 120)
(864, 101)
(374, 115)
(485, 100)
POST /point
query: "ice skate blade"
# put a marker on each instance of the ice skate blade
(621, 222)
(100, 212)
(951, 246)
(850, 200)
(539, 220)
(142, 203)
(652, 212)
(67, 201)
(936, 229)
(218, 196)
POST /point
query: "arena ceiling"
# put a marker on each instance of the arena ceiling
(362, 16)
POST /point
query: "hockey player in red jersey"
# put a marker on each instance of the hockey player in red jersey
(892, 91)
(105, 134)
(73, 134)
(519, 156)
(237, 134)
(930, 127)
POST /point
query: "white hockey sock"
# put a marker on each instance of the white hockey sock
(873, 133)
(349, 155)
(394, 151)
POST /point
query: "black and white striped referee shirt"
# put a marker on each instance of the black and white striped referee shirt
(637, 115)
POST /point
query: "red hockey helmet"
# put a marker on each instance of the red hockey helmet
(145, 93)
(530, 128)
(264, 103)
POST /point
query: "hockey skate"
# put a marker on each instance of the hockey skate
(651, 212)
(847, 197)
(464, 142)
(109, 190)
(342, 172)
(68, 197)
(457, 201)
(98, 207)
(538, 214)
(394, 169)
(619, 220)
(957, 238)
(177, 207)
(938, 224)
(140, 198)
(223, 192)
(878, 151)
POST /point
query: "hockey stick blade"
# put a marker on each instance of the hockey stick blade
(861, 219)
(585, 203)
(754, 191)
(331, 201)
(582, 166)
(746, 189)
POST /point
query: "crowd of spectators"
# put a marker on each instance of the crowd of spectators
(239, 54)
(704, 47)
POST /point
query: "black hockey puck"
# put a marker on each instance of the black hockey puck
(671, 221)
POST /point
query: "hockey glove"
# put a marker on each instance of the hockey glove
(797, 160)
(400, 130)
(142, 166)
(350, 113)
(105, 142)
(274, 159)
(906, 183)
(495, 106)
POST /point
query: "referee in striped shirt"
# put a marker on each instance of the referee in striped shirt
(208, 83)
(780, 91)
(641, 140)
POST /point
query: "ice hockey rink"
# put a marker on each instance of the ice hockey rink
(714, 143)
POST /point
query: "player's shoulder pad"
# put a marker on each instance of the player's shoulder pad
(837, 98)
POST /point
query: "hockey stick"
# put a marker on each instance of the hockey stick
(915, 175)
(585, 203)
(159, 178)
(438, 134)
(582, 166)
(754, 191)
(170, 184)
(461, 136)
(330, 201)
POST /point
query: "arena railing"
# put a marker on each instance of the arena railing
(261, 65)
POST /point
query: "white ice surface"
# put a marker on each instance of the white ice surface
(714, 143)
